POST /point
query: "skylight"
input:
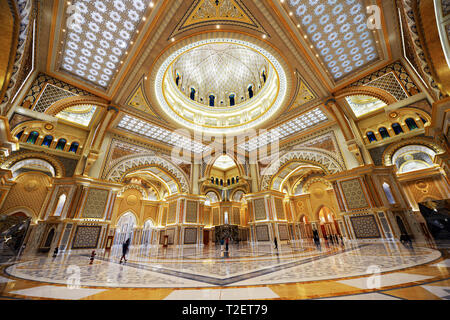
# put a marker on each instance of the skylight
(98, 36)
(159, 134)
(338, 32)
(291, 127)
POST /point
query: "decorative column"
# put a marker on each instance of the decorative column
(91, 151)
(353, 143)
(195, 178)
(254, 176)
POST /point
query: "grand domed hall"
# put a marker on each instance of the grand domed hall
(224, 150)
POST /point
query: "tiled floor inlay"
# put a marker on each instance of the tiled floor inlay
(207, 267)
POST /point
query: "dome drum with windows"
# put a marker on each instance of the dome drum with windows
(220, 85)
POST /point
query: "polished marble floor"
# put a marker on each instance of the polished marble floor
(356, 270)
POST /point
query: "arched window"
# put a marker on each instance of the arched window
(19, 135)
(250, 92)
(221, 182)
(192, 94)
(228, 182)
(217, 181)
(61, 144)
(413, 157)
(388, 192)
(384, 133)
(371, 136)
(232, 180)
(74, 147)
(212, 100)
(411, 124)
(47, 141)
(33, 137)
(232, 100)
(397, 128)
(237, 179)
(60, 205)
(212, 180)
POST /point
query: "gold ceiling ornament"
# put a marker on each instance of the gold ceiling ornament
(31, 185)
(217, 9)
(304, 95)
(138, 101)
(49, 126)
(208, 12)
(393, 115)
(422, 186)
(132, 200)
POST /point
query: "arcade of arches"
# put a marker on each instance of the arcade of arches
(177, 129)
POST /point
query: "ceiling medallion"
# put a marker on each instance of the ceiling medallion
(220, 86)
(393, 115)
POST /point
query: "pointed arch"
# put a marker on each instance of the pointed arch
(307, 156)
(169, 172)
(319, 209)
(128, 212)
(232, 155)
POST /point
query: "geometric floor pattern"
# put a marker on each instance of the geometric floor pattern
(358, 270)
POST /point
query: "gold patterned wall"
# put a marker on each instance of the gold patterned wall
(260, 209)
(151, 212)
(130, 201)
(96, 202)
(236, 216)
(216, 218)
(279, 209)
(207, 216)
(164, 217)
(426, 189)
(190, 235)
(191, 211)
(29, 191)
(172, 212)
(354, 194)
(86, 237)
(365, 227)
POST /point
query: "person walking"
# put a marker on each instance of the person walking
(125, 247)
(275, 242)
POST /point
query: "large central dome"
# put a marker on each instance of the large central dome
(220, 85)
(230, 73)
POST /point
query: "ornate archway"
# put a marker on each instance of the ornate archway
(171, 174)
(307, 156)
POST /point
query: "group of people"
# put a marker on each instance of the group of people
(334, 239)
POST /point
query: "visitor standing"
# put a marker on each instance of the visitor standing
(275, 242)
(125, 248)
